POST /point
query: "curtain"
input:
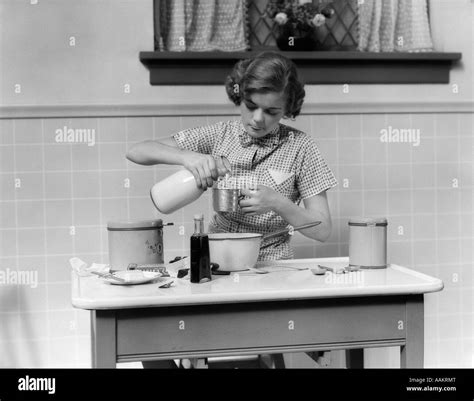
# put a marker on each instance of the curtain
(394, 25)
(203, 25)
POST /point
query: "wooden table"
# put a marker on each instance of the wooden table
(281, 312)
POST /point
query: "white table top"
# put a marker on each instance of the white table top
(92, 292)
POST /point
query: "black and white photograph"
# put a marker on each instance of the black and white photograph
(220, 191)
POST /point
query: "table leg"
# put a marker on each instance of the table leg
(355, 358)
(413, 351)
(104, 339)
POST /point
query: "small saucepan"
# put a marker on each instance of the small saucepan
(239, 251)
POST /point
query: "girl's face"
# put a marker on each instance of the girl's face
(262, 112)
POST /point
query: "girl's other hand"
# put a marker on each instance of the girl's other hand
(261, 200)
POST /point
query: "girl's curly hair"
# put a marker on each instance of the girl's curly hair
(267, 72)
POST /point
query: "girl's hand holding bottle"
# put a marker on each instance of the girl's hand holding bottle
(206, 169)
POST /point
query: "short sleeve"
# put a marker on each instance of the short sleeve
(199, 139)
(315, 176)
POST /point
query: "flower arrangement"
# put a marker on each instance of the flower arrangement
(299, 17)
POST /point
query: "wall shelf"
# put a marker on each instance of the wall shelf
(325, 67)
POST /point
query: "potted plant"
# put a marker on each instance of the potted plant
(297, 23)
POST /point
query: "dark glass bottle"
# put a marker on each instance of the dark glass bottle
(200, 261)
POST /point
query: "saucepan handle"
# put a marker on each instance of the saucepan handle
(286, 230)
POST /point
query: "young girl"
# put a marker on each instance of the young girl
(286, 161)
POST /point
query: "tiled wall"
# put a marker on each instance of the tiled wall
(50, 190)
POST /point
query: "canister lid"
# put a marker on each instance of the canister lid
(368, 221)
(126, 225)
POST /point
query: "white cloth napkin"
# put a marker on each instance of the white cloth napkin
(81, 268)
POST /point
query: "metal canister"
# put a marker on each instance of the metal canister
(135, 241)
(368, 242)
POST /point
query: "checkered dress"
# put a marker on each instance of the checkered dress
(286, 160)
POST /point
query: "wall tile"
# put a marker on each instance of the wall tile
(424, 200)
(112, 156)
(7, 183)
(6, 132)
(30, 214)
(33, 299)
(85, 157)
(374, 151)
(399, 152)
(351, 173)
(350, 204)
(328, 150)
(59, 296)
(86, 184)
(59, 268)
(448, 251)
(466, 147)
(375, 203)
(8, 243)
(446, 172)
(113, 184)
(446, 124)
(29, 157)
(114, 209)
(28, 131)
(87, 240)
(424, 176)
(57, 157)
(139, 129)
(349, 126)
(86, 212)
(447, 200)
(448, 226)
(466, 124)
(9, 302)
(424, 252)
(425, 152)
(447, 150)
(31, 241)
(141, 182)
(53, 130)
(63, 353)
(31, 186)
(165, 127)
(58, 241)
(324, 126)
(399, 202)
(58, 213)
(141, 208)
(62, 323)
(399, 176)
(57, 185)
(425, 123)
(350, 151)
(33, 326)
(466, 255)
(400, 253)
(375, 177)
(7, 162)
(399, 228)
(111, 130)
(7, 214)
(424, 227)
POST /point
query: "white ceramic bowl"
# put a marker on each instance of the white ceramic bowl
(234, 251)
